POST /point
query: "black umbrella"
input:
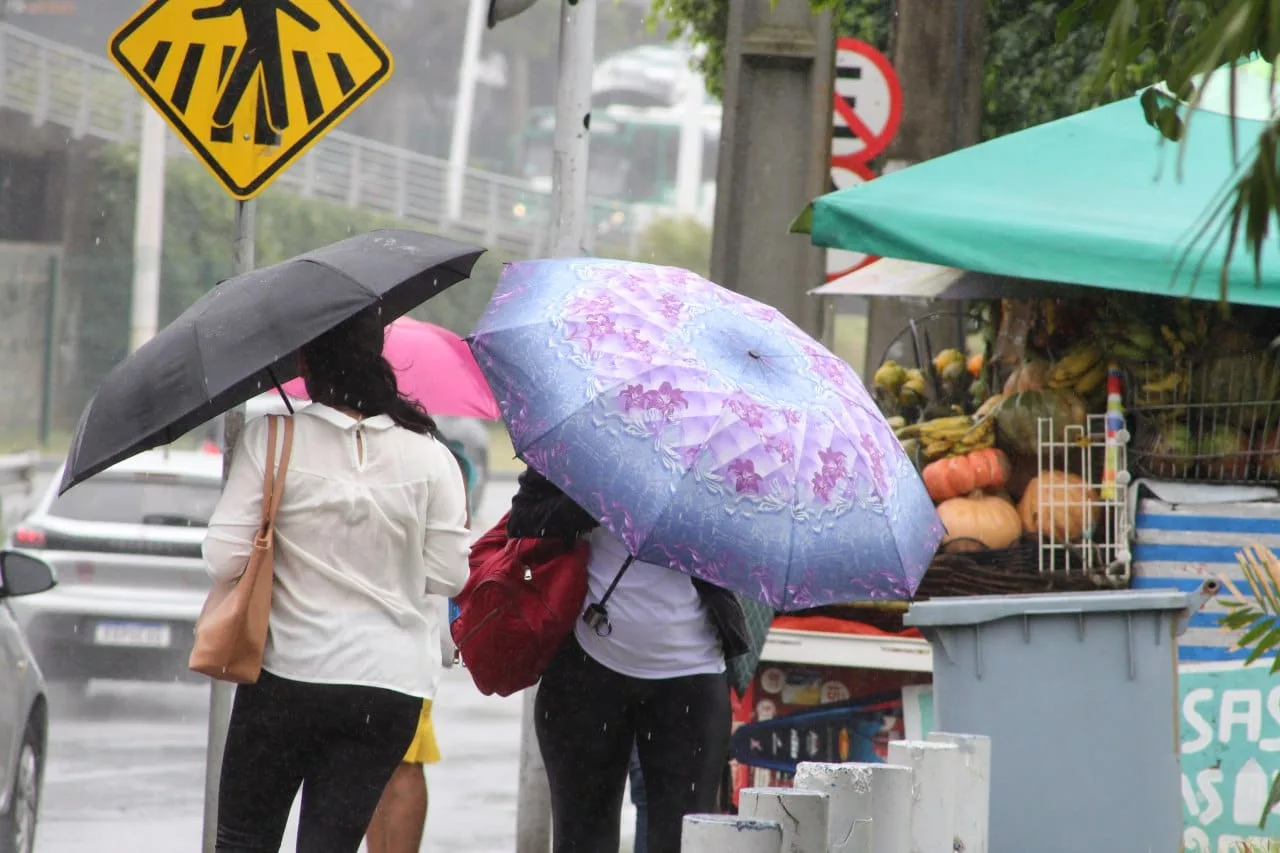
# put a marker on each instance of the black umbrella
(240, 338)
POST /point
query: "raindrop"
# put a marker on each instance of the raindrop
(686, 709)
(97, 241)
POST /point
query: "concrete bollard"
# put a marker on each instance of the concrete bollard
(890, 807)
(803, 815)
(714, 833)
(933, 792)
(973, 789)
(848, 786)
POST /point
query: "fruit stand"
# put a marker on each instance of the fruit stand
(1101, 441)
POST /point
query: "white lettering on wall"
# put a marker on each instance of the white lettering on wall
(1241, 708)
(1207, 782)
(1272, 744)
(1196, 721)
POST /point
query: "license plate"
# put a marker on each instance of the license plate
(135, 634)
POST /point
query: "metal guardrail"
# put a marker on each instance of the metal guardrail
(63, 86)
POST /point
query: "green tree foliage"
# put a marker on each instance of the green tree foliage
(677, 242)
(1031, 76)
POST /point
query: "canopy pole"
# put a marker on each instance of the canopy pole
(221, 693)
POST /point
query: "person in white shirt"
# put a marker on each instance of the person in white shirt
(651, 677)
(372, 521)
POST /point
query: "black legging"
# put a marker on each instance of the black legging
(588, 717)
(339, 743)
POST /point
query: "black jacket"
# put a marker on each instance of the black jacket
(539, 509)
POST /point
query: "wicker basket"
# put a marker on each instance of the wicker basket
(981, 571)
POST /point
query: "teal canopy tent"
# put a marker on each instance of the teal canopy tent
(1094, 199)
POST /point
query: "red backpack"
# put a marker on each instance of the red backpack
(517, 607)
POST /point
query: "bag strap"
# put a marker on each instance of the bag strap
(269, 475)
(271, 499)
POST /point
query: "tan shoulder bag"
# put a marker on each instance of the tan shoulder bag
(231, 633)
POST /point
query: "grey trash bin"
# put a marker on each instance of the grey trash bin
(1078, 693)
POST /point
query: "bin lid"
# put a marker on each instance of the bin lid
(978, 609)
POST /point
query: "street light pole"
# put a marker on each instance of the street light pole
(460, 142)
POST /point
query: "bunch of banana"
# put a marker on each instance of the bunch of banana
(1192, 327)
(941, 436)
(1162, 385)
(1082, 370)
(979, 437)
(1134, 341)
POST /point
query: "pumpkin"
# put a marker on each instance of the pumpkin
(960, 475)
(1018, 418)
(979, 517)
(1029, 376)
(1059, 507)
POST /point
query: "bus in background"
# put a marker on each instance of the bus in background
(632, 167)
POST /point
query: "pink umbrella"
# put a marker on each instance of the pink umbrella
(433, 366)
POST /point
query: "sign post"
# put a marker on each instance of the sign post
(868, 110)
(249, 86)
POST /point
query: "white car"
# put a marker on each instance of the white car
(24, 708)
(126, 549)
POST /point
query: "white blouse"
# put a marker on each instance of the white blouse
(373, 519)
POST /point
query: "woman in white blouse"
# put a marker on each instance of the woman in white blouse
(373, 520)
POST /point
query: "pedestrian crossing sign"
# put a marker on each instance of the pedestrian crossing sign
(250, 85)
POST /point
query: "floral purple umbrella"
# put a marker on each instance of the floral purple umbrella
(705, 430)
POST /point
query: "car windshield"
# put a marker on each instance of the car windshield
(159, 499)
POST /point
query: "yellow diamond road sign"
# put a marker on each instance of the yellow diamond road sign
(250, 84)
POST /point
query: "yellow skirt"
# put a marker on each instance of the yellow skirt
(424, 749)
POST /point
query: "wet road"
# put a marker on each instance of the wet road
(126, 764)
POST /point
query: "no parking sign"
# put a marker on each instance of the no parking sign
(868, 110)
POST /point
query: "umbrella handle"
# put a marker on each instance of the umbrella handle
(280, 389)
(596, 616)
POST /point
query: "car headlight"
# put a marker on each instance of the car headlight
(519, 210)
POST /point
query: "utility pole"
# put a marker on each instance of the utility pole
(577, 58)
(775, 152)
(567, 235)
(222, 693)
(570, 221)
(148, 230)
(460, 142)
(939, 52)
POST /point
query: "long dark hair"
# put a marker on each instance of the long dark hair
(345, 368)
